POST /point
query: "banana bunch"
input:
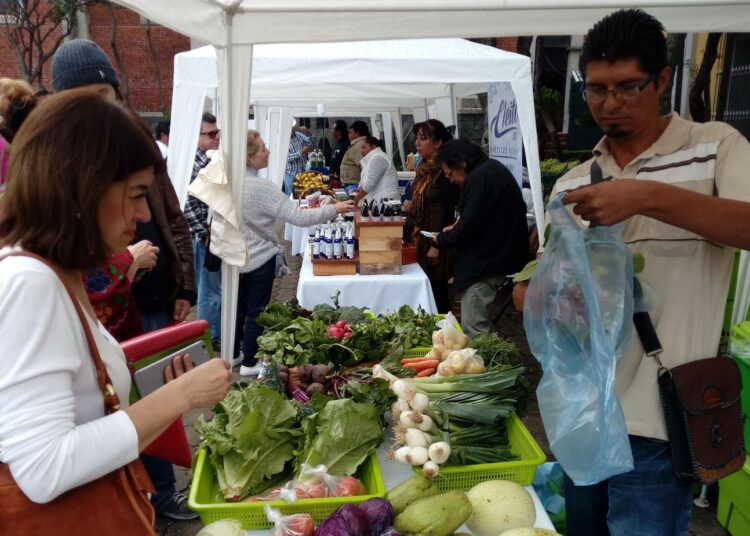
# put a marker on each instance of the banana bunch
(309, 180)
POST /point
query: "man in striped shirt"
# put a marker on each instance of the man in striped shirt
(300, 144)
(196, 214)
(681, 190)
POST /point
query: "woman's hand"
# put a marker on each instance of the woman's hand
(345, 206)
(203, 386)
(144, 257)
(432, 256)
(406, 207)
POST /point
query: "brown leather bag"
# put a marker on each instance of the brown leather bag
(116, 503)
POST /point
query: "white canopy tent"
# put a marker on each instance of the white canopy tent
(234, 26)
(389, 77)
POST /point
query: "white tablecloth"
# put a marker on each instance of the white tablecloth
(394, 473)
(379, 293)
(297, 236)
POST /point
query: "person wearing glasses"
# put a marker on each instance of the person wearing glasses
(490, 235)
(196, 214)
(680, 190)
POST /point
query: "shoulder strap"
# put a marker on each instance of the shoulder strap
(111, 400)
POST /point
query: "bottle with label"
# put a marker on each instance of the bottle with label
(365, 214)
(375, 214)
(329, 243)
(316, 244)
(337, 249)
(350, 243)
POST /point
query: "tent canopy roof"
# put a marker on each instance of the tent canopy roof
(392, 73)
(223, 22)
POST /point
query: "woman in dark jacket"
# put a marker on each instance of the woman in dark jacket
(432, 207)
(490, 236)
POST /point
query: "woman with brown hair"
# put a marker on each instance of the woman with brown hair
(81, 168)
(432, 208)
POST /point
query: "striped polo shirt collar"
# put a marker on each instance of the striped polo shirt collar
(672, 139)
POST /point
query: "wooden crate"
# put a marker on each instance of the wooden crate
(379, 246)
(335, 266)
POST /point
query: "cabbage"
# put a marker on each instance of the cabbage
(379, 514)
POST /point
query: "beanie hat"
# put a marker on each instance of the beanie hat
(81, 62)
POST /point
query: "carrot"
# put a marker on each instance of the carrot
(427, 363)
(426, 372)
(408, 360)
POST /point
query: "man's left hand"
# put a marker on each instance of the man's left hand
(607, 203)
(181, 310)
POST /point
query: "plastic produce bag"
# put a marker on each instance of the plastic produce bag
(314, 483)
(465, 361)
(291, 525)
(578, 318)
(448, 336)
(223, 527)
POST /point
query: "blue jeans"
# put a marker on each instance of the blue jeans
(647, 501)
(288, 183)
(160, 471)
(154, 321)
(209, 291)
(254, 293)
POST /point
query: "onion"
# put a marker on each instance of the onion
(430, 469)
(439, 452)
(417, 456)
(425, 423)
(419, 402)
(400, 454)
(399, 388)
(395, 411)
(409, 419)
(415, 438)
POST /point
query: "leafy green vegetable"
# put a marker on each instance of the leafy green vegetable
(250, 439)
(494, 350)
(340, 436)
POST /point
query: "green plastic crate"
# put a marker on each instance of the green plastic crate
(733, 511)
(205, 497)
(521, 471)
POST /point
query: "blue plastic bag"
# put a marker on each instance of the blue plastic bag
(578, 317)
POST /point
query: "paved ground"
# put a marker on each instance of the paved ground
(510, 325)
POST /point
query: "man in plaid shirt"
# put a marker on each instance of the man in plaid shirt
(300, 144)
(196, 214)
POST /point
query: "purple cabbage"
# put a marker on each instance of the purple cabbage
(379, 514)
(347, 520)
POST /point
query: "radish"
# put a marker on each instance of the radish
(341, 324)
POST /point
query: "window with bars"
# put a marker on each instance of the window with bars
(736, 109)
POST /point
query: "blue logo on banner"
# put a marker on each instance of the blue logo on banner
(506, 119)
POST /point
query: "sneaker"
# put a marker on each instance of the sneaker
(249, 371)
(177, 509)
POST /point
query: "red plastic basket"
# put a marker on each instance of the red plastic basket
(408, 254)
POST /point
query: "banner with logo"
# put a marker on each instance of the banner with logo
(505, 142)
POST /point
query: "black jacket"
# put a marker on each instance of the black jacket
(491, 234)
(338, 155)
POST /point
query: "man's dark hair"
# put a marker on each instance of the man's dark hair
(457, 154)
(162, 129)
(361, 128)
(434, 130)
(626, 34)
(209, 118)
(340, 126)
(372, 140)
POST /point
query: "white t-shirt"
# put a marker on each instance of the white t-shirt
(379, 178)
(53, 432)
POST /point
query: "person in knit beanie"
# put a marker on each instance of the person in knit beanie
(81, 62)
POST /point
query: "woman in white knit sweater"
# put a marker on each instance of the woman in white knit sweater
(265, 203)
(379, 178)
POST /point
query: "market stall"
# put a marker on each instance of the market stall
(380, 293)
(372, 421)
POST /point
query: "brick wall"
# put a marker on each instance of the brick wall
(136, 56)
(133, 46)
(507, 43)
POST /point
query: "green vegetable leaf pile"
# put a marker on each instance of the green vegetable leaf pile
(495, 350)
(250, 439)
(345, 434)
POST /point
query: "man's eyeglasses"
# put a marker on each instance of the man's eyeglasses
(211, 133)
(624, 92)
